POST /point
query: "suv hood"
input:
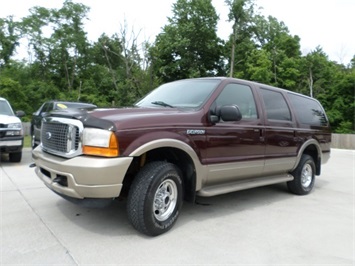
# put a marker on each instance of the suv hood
(131, 118)
(8, 119)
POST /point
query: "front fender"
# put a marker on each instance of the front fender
(178, 144)
(135, 142)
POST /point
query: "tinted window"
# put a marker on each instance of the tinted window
(275, 105)
(308, 111)
(45, 108)
(240, 95)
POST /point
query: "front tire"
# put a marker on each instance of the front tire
(155, 198)
(15, 157)
(304, 176)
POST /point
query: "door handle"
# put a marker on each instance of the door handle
(261, 133)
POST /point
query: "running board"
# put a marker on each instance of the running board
(242, 185)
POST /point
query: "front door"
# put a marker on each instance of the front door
(235, 150)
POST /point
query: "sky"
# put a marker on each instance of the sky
(325, 23)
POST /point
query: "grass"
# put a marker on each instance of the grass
(27, 142)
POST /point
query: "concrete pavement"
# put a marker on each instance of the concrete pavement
(262, 226)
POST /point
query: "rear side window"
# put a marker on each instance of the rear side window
(275, 105)
(308, 111)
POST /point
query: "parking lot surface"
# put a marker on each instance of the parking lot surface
(262, 226)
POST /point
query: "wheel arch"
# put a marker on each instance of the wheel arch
(313, 149)
(178, 153)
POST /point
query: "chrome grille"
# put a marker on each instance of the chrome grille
(54, 136)
(61, 136)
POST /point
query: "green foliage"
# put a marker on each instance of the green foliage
(258, 66)
(241, 14)
(11, 90)
(188, 46)
(117, 70)
(345, 127)
(10, 34)
(60, 54)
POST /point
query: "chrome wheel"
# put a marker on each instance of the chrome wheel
(306, 175)
(155, 198)
(165, 200)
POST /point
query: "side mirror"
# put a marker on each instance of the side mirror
(230, 113)
(20, 113)
(43, 114)
(226, 113)
(213, 116)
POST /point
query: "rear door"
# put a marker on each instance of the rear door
(280, 133)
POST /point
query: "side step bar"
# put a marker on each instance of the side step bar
(243, 184)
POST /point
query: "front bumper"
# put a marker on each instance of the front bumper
(82, 176)
(12, 144)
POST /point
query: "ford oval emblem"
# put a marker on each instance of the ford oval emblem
(48, 135)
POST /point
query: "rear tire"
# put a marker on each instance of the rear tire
(15, 157)
(304, 176)
(155, 198)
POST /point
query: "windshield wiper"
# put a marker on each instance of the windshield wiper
(161, 103)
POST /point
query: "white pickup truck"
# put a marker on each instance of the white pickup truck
(11, 132)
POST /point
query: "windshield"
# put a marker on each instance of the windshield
(5, 108)
(184, 93)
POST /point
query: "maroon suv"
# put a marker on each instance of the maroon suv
(204, 137)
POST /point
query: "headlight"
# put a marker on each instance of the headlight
(17, 129)
(14, 126)
(100, 142)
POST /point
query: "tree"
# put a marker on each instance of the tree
(341, 99)
(118, 70)
(316, 71)
(11, 90)
(333, 85)
(258, 66)
(60, 53)
(241, 14)
(10, 35)
(352, 62)
(283, 48)
(188, 45)
(127, 63)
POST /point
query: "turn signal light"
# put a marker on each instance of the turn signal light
(111, 151)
